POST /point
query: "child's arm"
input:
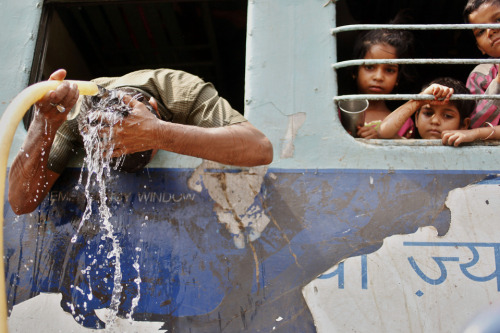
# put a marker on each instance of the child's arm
(456, 137)
(390, 126)
(393, 122)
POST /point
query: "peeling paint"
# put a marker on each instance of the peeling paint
(295, 122)
(414, 282)
(193, 275)
(234, 194)
(26, 318)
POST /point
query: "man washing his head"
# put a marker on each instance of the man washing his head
(190, 118)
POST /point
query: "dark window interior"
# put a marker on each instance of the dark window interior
(110, 38)
(429, 44)
(207, 38)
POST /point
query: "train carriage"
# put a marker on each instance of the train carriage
(337, 234)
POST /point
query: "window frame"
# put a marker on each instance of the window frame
(405, 97)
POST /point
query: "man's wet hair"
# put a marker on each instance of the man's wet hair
(112, 101)
(473, 5)
(465, 107)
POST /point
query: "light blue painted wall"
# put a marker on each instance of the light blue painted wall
(20, 19)
(289, 57)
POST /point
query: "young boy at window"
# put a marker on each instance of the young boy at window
(484, 79)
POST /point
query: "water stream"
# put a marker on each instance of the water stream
(101, 111)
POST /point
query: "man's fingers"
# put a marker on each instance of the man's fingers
(65, 95)
(133, 103)
(58, 75)
(104, 133)
(71, 97)
(61, 92)
(127, 99)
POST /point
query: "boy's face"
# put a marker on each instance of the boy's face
(432, 120)
(488, 40)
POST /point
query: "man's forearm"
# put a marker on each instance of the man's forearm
(239, 144)
(29, 178)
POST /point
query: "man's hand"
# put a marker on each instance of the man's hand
(135, 133)
(55, 105)
(238, 144)
(29, 177)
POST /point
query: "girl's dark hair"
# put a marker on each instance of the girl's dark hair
(473, 5)
(401, 40)
(465, 107)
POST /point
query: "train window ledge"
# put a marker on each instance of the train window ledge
(422, 143)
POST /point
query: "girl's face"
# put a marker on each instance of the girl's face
(378, 79)
(432, 120)
(488, 40)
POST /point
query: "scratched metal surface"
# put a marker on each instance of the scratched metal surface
(408, 283)
(194, 275)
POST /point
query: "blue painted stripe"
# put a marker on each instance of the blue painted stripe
(492, 174)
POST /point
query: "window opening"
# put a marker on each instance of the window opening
(444, 47)
(110, 38)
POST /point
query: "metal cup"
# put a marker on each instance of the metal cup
(352, 114)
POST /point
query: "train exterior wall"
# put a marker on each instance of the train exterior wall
(336, 234)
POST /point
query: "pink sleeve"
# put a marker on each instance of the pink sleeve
(481, 81)
(407, 130)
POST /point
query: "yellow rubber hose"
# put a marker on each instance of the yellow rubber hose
(8, 123)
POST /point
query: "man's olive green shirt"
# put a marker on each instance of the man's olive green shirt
(182, 98)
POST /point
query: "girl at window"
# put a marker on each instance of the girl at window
(433, 118)
(381, 78)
